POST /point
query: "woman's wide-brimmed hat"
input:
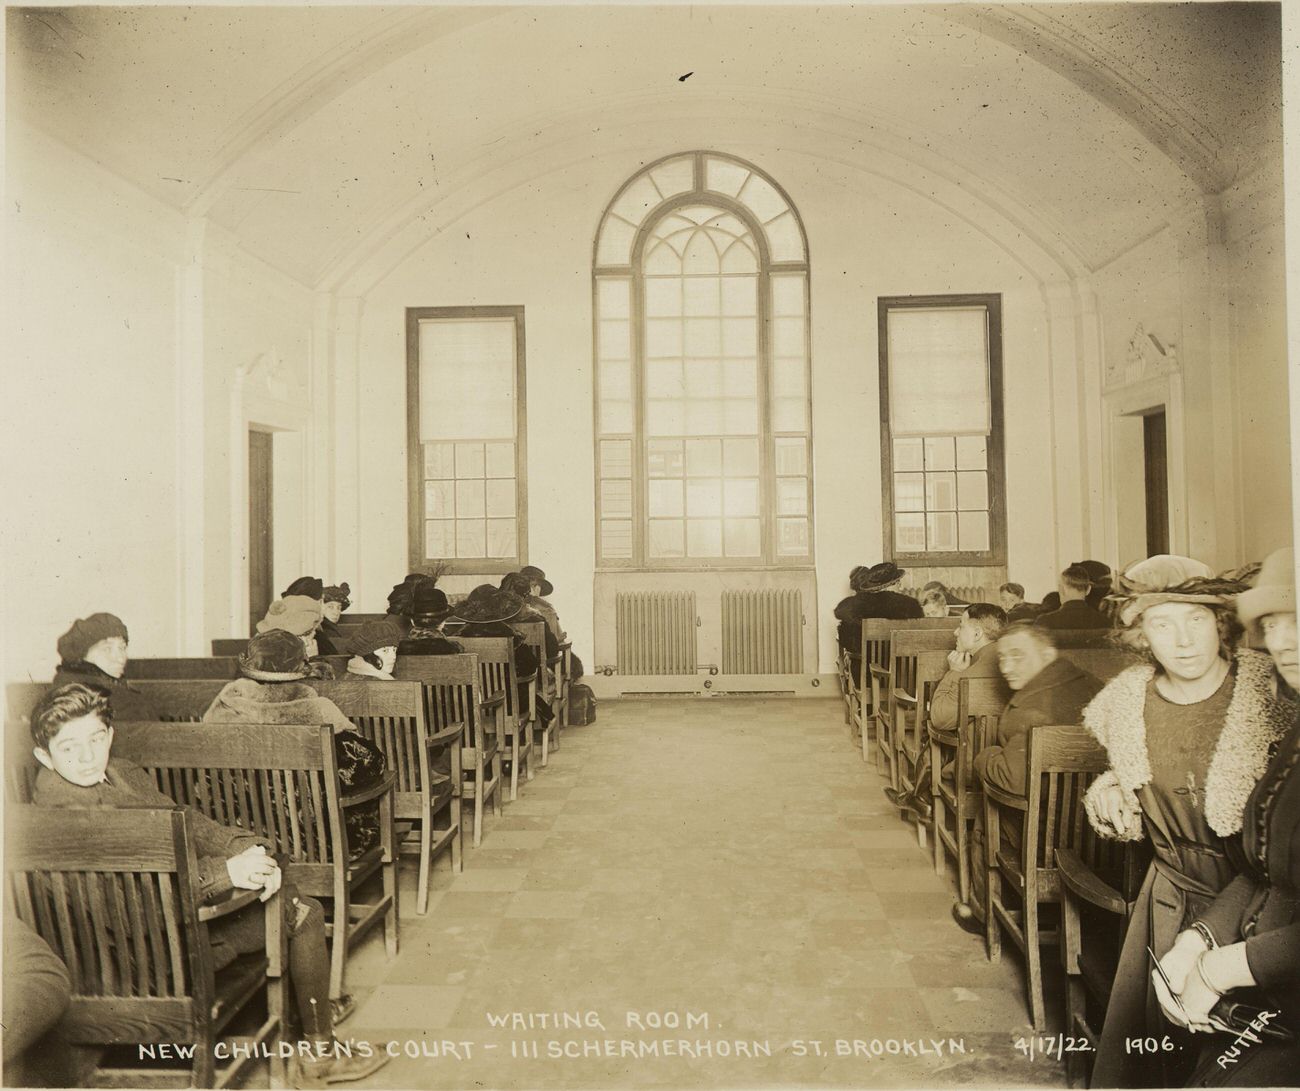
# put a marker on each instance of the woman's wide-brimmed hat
(296, 614)
(487, 603)
(876, 577)
(429, 602)
(374, 635)
(1167, 577)
(338, 594)
(1273, 593)
(537, 576)
(400, 597)
(274, 656)
(309, 586)
(86, 632)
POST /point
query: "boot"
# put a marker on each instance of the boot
(319, 1072)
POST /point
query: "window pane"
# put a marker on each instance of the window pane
(675, 176)
(938, 370)
(439, 460)
(663, 297)
(722, 176)
(615, 246)
(666, 537)
(471, 538)
(740, 375)
(792, 537)
(665, 497)
(615, 416)
(788, 296)
(703, 457)
(741, 497)
(791, 496)
(469, 460)
(741, 417)
(663, 337)
(665, 417)
(467, 378)
(704, 537)
(703, 338)
(664, 458)
(500, 500)
(501, 539)
(742, 537)
(762, 199)
(909, 454)
(616, 458)
(740, 337)
(788, 379)
(500, 459)
(972, 452)
(638, 199)
(616, 538)
(615, 340)
(704, 498)
(740, 296)
(703, 417)
(702, 295)
(938, 453)
(612, 297)
(439, 499)
(789, 415)
(784, 239)
(909, 492)
(469, 500)
(940, 492)
(439, 539)
(941, 531)
(909, 533)
(663, 379)
(974, 529)
(740, 457)
(704, 379)
(616, 498)
(787, 337)
(973, 491)
(791, 455)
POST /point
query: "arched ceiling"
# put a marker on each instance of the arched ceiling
(316, 136)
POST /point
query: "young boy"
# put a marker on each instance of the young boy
(72, 729)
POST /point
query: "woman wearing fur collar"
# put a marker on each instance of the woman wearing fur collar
(1188, 735)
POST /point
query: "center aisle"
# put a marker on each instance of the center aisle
(730, 858)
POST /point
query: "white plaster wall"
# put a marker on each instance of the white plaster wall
(532, 246)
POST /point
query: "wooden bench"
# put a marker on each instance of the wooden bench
(197, 668)
(112, 891)
(511, 724)
(392, 716)
(899, 677)
(544, 688)
(281, 782)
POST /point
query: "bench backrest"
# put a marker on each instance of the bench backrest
(279, 781)
(111, 890)
(183, 669)
(390, 715)
(496, 665)
(451, 688)
(1062, 762)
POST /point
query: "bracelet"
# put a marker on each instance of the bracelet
(1204, 932)
(1200, 970)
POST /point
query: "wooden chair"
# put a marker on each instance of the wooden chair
(1061, 762)
(898, 677)
(1096, 904)
(511, 727)
(977, 699)
(280, 781)
(392, 716)
(112, 891)
(542, 688)
(455, 703)
(562, 667)
(911, 722)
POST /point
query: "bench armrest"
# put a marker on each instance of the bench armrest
(1004, 799)
(237, 901)
(382, 786)
(1085, 883)
(492, 700)
(450, 733)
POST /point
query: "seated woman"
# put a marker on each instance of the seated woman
(300, 616)
(539, 587)
(934, 604)
(429, 612)
(272, 692)
(374, 650)
(875, 595)
(94, 653)
(400, 597)
(329, 637)
(1187, 737)
(72, 729)
(487, 611)
(1245, 946)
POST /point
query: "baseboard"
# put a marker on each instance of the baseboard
(613, 686)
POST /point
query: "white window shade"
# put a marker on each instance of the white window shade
(467, 379)
(938, 371)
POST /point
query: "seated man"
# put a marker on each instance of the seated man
(1047, 689)
(974, 657)
(1076, 585)
(1012, 597)
(37, 991)
(72, 729)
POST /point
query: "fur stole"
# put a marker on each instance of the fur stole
(1257, 718)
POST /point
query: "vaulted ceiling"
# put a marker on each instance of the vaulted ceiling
(315, 135)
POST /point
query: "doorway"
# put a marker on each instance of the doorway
(261, 525)
(1155, 460)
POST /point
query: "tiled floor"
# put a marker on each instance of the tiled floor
(729, 858)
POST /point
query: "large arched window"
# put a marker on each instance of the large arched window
(702, 410)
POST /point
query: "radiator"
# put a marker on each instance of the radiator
(655, 631)
(762, 632)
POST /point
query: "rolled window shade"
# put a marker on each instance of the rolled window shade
(467, 379)
(938, 371)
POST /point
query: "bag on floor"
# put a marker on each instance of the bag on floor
(582, 705)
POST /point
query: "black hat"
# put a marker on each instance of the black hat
(488, 603)
(307, 586)
(399, 598)
(274, 656)
(536, 575)
(877, 576)
(338, 594)
(428, 601)
(517, 584)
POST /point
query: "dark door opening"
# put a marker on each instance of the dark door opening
(261, 559)
(1156, 465)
